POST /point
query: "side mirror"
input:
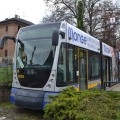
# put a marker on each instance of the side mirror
(55, 36)
(2, 40)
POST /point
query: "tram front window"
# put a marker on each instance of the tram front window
(34, 53)
(34, 57)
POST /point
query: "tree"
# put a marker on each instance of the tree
(97, 15)
(61, 9)
(80, 12)
(108, 26)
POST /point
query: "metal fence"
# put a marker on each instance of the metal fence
(108, 84)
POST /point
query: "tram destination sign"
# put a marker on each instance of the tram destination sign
(107, 50)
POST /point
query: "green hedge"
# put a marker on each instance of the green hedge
(6, 75)
(84, 105)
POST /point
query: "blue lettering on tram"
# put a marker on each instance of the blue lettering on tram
(76, 36)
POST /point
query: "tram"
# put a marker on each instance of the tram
(52, 56)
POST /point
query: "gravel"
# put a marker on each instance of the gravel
(11, 112)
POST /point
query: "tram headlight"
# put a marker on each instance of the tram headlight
(48, 86)
(51, 80)
(53, 75)
(15, 78)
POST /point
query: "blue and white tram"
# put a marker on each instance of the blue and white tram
(50, 57)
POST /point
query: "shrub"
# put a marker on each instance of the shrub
(84, 105)
(6, 75)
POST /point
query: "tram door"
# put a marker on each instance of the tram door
(107, 70)
(82, 69)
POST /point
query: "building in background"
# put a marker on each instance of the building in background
(10, 27)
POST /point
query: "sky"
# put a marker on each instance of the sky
(31, 10)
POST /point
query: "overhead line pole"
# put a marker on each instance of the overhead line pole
(80, 25)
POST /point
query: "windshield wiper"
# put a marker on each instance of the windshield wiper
(32, 54)
(34, 65)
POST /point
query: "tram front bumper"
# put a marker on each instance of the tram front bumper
(30, 99)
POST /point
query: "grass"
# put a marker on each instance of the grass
(7, 105)
(12, 112)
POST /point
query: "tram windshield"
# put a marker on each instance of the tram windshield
(35, 54)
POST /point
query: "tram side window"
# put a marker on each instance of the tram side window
(61, 68)
(71, 78)
(94, 66)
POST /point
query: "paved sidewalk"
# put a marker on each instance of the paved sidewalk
(115, 87)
